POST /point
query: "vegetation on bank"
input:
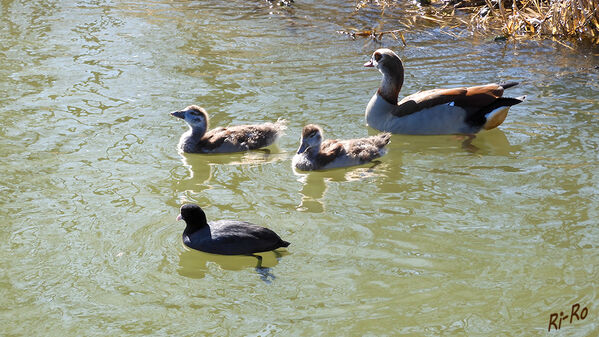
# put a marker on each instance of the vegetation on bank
(557, 19)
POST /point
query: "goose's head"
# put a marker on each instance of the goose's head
(311, 138)
(386, 61)
(389, 64)
(194, 115)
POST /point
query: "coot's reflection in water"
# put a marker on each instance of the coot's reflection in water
(195, 264)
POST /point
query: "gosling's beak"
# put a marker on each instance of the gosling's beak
(179, 114)
(302, 148)
(369, 64)
(179, 217)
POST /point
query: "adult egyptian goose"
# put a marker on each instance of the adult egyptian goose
(238, 138)
(316, 154)
(437, 111)
(226, 237)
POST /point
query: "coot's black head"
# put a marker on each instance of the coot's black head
(194, 217)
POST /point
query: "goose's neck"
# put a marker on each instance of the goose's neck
(391, 84)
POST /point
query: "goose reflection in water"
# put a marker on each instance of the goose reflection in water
(493, 142)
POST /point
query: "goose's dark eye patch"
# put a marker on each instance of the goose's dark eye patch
(377, 57)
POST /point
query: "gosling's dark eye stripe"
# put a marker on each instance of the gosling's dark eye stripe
(377, 57)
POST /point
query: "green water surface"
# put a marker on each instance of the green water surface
(446, 236)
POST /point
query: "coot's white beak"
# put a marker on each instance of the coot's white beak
(179, 217)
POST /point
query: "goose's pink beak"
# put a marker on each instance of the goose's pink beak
(179, 217)
(369, 64)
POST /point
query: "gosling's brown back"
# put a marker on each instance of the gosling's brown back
(248, 137)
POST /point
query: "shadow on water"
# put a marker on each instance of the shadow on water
(195, 264)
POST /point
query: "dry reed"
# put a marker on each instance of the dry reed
(557, 19)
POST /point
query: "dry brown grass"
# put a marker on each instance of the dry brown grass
(517, 19)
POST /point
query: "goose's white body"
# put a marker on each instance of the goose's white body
(439, 119)
(464, 110)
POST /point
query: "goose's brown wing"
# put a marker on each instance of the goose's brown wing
(470, 98)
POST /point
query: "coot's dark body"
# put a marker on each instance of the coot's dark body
(226, 237)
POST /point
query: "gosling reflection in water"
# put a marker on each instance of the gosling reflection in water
(312, 192)
(316, 183)
(200, 166)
